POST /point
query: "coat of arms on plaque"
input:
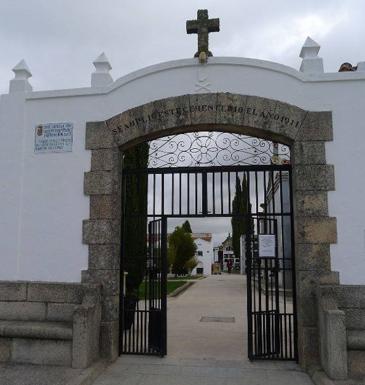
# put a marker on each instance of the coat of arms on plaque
(39, 130)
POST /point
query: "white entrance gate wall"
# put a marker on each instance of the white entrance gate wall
(44, 204)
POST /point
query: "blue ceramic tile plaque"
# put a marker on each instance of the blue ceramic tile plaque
(53, 137)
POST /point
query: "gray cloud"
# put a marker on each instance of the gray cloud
(60, 38)
(219, 227)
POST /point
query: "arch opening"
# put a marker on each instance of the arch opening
(304, 131)
(245, 184)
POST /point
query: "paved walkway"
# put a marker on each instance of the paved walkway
(22, 374)
(202, 353)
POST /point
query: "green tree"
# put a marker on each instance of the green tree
(135, 212)
(240, 214)
(191, 263)
(181, 250)
(186, 226)
(171, 254)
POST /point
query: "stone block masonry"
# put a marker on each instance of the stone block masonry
(49, 323)
(342, 330)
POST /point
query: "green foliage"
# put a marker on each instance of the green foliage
(181, 249)
(240, 214)
(171, 286)
(171, 253)
(190, 264)
(187, 277)
(186, 226)
(135, 232)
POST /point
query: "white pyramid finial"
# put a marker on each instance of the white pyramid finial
(101, 77)
(361, 66)
(310, 48)
(101, 63)
(311, 63)
(20, 81)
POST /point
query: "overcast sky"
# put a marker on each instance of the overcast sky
(59, 39)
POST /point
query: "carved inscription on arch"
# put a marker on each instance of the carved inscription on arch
(159, 115)
(207, 109)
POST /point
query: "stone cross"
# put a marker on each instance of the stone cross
(202, 26)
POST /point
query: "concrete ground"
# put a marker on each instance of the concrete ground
(11, 374)
(202, 353)
(23, 374)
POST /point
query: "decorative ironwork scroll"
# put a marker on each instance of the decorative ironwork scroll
(215, 149)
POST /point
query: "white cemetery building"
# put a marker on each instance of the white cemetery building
(204, 253)
(62, 220)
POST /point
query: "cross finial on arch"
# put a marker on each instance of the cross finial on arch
(202, 26)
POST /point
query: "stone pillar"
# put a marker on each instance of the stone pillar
(102, 231)
(314, 229)
(337, 344)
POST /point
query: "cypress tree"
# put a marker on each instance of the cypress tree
(240, 214)
(182, 248)
(135, 231)
(186, 227)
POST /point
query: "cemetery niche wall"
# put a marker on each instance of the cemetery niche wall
(60, 168)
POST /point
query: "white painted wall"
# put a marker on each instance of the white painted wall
(205, 260)
(42, 202)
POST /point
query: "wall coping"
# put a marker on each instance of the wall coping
(174, 64)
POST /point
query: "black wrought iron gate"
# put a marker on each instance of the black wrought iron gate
(143, 326)
(198, 192)
(271, 301)
(263, 307)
